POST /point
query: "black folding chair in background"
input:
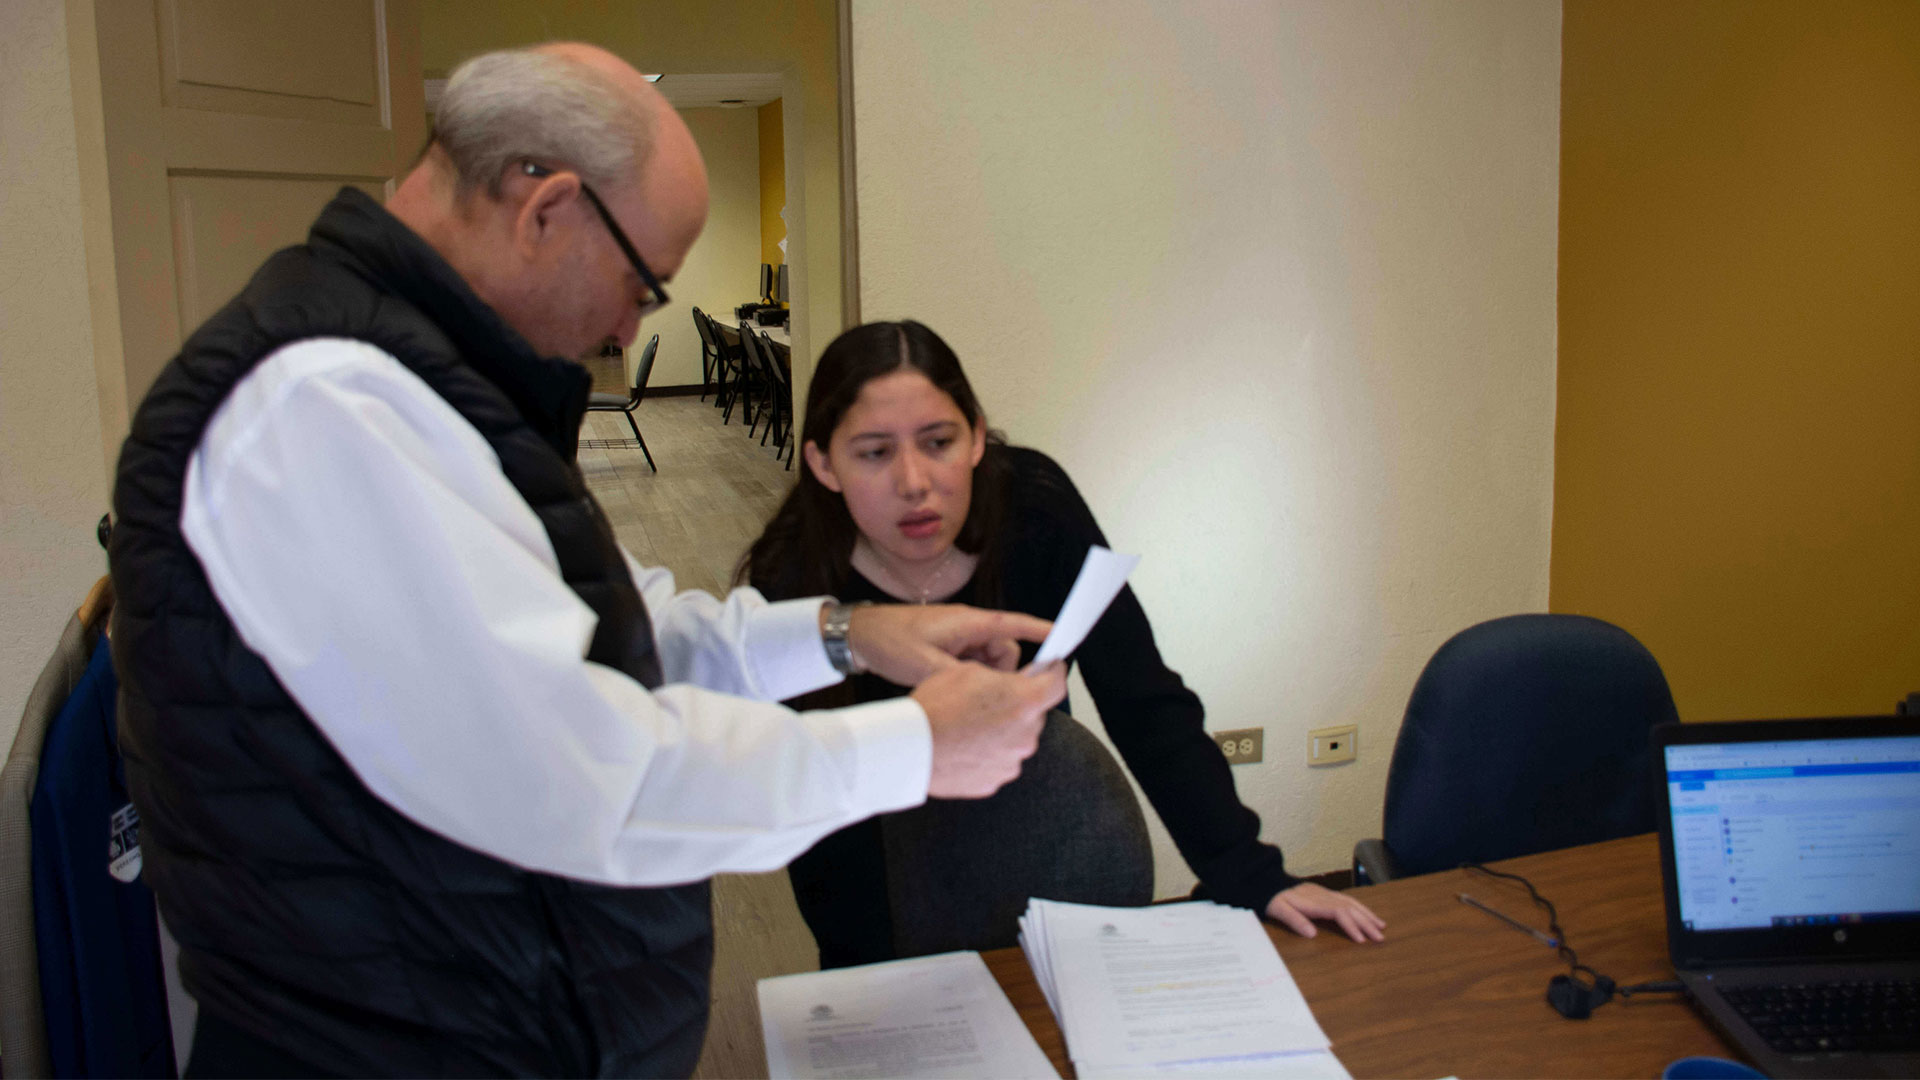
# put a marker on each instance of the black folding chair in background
(630, 401)
(749, 376)
(779, 398)
(765, 379)
(733, 359)
(710, 366)
(752, 383)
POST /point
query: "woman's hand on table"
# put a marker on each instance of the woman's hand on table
(1296, 908)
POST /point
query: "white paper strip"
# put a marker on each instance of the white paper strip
(1100, 580)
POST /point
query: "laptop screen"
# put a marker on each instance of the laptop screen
(1789, 833)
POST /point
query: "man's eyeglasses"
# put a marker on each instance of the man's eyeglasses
(656, 293)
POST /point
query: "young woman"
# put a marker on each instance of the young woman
(906, 496)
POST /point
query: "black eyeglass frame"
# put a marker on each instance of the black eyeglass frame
(657, 297)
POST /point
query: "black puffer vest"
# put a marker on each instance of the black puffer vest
(309, 912)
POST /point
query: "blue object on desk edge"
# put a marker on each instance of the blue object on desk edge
(1710, 1068)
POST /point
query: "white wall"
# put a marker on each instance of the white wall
(52, 474)
(723, 269)
(1276, 283)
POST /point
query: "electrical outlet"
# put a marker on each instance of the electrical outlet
(1242, 747)
(1332, 745)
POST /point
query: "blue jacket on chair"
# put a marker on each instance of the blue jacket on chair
(94, 921)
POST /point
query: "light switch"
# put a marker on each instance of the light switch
(1332, 745)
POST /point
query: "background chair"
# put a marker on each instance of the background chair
(780, 397)
(959, 872)
(23, 1027)
(80, 958)
(753, 379)
(631, 401)
(1524, 734)
(709, 355)
(733, 360)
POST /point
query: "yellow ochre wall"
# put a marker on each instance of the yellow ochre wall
(1737, 465)
(773, 183)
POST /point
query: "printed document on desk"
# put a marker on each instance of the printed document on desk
(1172, 989)
(931, 1016)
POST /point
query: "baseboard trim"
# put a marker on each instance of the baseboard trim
(678, 391)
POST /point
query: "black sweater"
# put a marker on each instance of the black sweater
(1152, 717)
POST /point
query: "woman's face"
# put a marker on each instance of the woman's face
(903, 458)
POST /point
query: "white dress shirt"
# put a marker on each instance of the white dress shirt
(364, 541)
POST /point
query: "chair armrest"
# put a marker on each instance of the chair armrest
(1372, 863)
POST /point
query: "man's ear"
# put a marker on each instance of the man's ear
(822, 469)
(538, 217)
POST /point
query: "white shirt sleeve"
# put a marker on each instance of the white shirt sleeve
(741, 645)
(365, 543)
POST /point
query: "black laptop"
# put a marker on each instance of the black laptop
(1791, 855)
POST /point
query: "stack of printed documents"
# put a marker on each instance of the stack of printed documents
(1172, 989)
(932, 1016)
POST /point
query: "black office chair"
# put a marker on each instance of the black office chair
(1524, 734)
(960, 872)
(631, 400)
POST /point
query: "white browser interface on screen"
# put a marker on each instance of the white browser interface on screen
(1795, 833)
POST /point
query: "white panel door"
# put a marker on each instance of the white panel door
(229, 123)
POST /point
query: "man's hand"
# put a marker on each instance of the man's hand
(1296, 908)
(905, 643)
(985, 723)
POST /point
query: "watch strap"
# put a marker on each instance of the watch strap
(833, 634)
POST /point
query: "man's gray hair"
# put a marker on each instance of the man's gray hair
(505, 107)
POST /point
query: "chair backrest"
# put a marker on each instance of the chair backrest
(770, 359)
(23, 1026)
(704, 327)
(80, 957)
(749, 346)
(1524, 734)
(750, 351)
(959, 872)
(644, 369)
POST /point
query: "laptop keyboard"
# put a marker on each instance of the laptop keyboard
(1798, 1018)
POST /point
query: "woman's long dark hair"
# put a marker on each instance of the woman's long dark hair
(807, 548)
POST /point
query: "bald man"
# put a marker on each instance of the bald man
(432, 773)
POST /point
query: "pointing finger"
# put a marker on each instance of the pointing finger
(1013, 624)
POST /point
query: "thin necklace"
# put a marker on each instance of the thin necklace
(944, 578)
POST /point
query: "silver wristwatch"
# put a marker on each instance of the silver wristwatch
(833, 632)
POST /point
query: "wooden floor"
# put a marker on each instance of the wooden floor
(714, 490)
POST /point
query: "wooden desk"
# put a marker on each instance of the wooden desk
(1454, 991)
